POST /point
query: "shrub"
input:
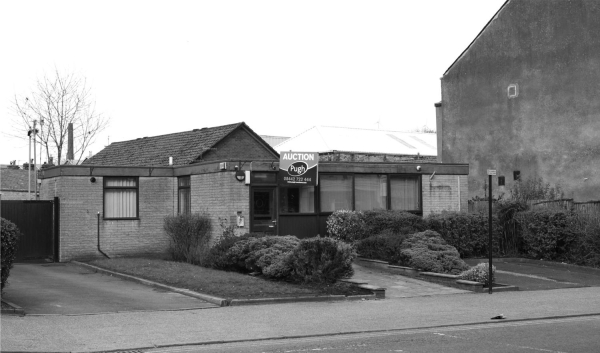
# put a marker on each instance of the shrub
(259, 254)
(385, 246)
(511, 240)
(468, 233)
(189, 236)
(586, 251)
(320, 260)
(346, 225)
(217, 255)
(427, 251)
(479, 273)
(548, 233)
(398, 222)
(10, 236)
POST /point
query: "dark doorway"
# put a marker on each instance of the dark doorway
(37, 221)
(263, 210)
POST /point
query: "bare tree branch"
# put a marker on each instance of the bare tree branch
(59, 100)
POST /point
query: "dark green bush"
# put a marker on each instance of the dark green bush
(398, 222)
(427, 251)
(320, 259)
(217, 255)
(548, 233)
(189, 236)
(468, 233)
(586, 250)
(259, 254)
(347, 226)
(384, 247)
(10, 236)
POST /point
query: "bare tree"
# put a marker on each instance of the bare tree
(58, 100)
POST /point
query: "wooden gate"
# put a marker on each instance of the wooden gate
(38, 223)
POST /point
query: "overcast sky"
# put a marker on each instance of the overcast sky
(158, 67)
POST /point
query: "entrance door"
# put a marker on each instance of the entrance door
(263, 210)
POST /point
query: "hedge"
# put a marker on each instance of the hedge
(427, 251)
(10, 236)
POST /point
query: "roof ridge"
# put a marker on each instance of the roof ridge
(365, 129)
(180, 132)
(293, 137)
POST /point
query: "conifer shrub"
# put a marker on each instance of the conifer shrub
(320, 260)
(479, 273)
(217, 257)
(385, 247)
(189, 236)
(427, 251)
(347, 226)
(258, 254)
(10, 237)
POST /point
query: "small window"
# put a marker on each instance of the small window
(264, 178)
(336, 192)
(370, 192)
(516, 175)
(501, 180)
(184, 199)
(297, 199)
(405, 193)
(121, 198)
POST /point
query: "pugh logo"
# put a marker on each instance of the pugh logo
(297, 168)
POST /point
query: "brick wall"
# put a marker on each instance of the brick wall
(17, 195)
(240, 145)
(441, 193)
(221, 195)
(80, 202)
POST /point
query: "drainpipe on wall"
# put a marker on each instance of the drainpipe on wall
(458, 179)
(99, 238)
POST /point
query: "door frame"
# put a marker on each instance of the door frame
(275, 216)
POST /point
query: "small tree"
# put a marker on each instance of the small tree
(535, 189)
(56, 101)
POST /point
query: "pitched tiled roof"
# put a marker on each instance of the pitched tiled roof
(184, 147)
(16, 179)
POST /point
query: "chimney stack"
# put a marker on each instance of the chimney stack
(70, 150)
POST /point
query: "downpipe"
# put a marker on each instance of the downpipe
(99, 238)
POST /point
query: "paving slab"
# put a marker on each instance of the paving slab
(68, 289)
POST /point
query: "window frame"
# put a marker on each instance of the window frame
(189, 188)
(388, 202)
(137, 197)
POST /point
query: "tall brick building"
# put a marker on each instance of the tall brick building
(120, 196)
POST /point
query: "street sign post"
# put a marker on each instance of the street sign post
(490, 172)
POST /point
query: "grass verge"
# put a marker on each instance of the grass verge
(223, 284)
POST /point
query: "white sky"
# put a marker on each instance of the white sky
(158, 67)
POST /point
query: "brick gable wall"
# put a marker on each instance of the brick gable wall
(239, 145)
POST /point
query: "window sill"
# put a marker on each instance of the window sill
(121, 219)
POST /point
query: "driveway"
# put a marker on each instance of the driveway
(69, 289)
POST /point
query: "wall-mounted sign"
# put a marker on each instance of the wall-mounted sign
(491, 172)
(298, 168)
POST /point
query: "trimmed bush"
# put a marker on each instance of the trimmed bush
(468, 233)
(479, 273)
(427, 251)
(398, 222)
(320, 259)
(217, 255)
(189, 236)
(10, 236)
(259, 254)
(586, 250)
(386, 247)
(346, 225)
(548, 233)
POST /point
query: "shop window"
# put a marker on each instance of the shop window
(184, 199)
(121, 197)
(336, 192)
(297, 199)
(370, 192)
(405, 193)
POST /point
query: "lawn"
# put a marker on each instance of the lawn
(223, 284)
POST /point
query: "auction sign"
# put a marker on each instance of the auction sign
(298, 168)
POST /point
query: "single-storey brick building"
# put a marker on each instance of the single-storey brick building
(120, 196)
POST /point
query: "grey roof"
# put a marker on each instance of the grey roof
(185, 147)
(16, 179)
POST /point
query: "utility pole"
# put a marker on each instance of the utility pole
(34, 156)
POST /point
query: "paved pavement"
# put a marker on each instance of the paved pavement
(68, 289)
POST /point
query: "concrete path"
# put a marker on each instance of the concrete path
(135, 330)
(68, 289)
(400, 286)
